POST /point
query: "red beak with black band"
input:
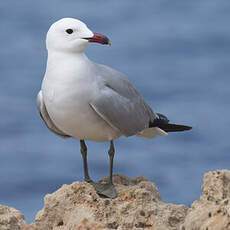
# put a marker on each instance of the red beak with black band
(99, 38)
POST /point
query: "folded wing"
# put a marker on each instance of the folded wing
(46, 118)
(128, 115)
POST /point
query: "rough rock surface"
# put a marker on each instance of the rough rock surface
(10, 218)
(212, 210)
(138, 206)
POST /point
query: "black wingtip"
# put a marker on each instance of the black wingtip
(174, 128)
(162, 122)
(188, 127)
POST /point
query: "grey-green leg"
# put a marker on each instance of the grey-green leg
(108, 189)
(111, 153)
(85, 164)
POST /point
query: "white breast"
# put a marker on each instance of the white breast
(67, 90)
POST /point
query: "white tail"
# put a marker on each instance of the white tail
(152, 132)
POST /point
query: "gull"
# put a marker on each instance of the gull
(89, 101)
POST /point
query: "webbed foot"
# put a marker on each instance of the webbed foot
(107, 190)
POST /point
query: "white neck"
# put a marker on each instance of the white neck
(60, 57)
(66, 68)
(58, 62)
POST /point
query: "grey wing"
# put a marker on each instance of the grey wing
(46, 118)
(120, 83)
(128, 115)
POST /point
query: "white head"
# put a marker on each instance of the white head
(71, 35)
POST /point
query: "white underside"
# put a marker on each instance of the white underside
(78, 119)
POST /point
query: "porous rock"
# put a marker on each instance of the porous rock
(138, 206)
(212, 210)
(10, 219)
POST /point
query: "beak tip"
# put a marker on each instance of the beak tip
(100, 38)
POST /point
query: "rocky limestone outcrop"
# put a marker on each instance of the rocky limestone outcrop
(212, 210)
(11, 219)
(138, 206)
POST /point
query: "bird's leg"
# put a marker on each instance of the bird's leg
(111, 153)
(85, 164)
(108, 189)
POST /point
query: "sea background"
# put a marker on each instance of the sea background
(177, 53)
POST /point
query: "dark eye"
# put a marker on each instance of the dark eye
(69, 31)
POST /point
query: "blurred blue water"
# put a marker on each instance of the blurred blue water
(175, 52)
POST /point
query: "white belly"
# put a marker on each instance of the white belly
(71, 112)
